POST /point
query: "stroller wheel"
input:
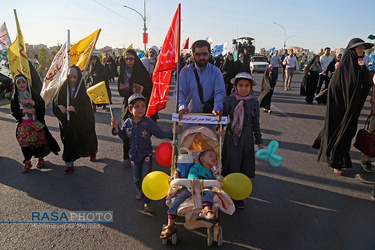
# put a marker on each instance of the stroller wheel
(209, 236)
(174, 239)
(219, 236)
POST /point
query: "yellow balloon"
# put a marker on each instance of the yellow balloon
(155, 185)
(238, 186)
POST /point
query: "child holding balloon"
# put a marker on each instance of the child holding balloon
(139, 129)
(207, 159)
(242, 131)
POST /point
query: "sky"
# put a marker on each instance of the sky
(308, 24)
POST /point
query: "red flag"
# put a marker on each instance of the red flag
(167, 61)
(185, 45)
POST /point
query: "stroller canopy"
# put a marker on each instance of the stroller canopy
(199, 139)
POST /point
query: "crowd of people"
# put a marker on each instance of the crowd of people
(222, 87)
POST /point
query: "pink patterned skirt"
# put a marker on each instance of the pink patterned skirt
(31, 133)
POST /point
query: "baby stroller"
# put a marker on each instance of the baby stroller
(195, 140)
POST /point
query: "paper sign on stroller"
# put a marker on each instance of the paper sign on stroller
(201, 119)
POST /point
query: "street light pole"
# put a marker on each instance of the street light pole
(144, 21)
(289, 37)
(284, 34)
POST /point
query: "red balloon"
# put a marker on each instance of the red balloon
(163, 154)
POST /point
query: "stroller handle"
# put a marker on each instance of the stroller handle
(187, 182)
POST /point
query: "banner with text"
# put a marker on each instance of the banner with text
(200, 119)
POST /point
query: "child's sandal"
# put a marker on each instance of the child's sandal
(148, 209)
(168, 231)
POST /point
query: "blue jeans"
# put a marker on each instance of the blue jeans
(182, 195)
(140, 170)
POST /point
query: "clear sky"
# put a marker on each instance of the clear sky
(308, 24)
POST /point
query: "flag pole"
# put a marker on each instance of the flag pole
(110, 109)
(80, 82)
(67, 87)
(175, 135)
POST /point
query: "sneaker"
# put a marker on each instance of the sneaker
(125, 163)
(239, 204)
(27, 167)
(68, 170)
(367, 167)
(338, 171)
(40, 163)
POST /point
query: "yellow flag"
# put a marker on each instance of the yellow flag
(18, 61)
(80, 53)
(98, 93)
(130, 47)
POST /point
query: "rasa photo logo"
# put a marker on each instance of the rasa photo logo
(72, 216)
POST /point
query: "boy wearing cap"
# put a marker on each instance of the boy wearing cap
(139, 129)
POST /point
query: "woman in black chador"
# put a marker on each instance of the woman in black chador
(96, 74)
(228, 70)
(78, 133)
(310, 79)
(347, 93)
(268, 85)
(133, 78)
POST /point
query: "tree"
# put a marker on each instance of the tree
(321, 52)
(44, 62)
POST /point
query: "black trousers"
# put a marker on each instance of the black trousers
(322, 78)
(31, 151)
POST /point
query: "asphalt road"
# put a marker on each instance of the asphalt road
(300, 205)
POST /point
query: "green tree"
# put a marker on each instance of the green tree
(44, 62)
(321, 52)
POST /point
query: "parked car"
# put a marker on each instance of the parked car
(258, 64)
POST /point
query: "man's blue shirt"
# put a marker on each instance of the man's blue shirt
(212, 83)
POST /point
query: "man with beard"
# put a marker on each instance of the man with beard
(202, 88)
(150, 61)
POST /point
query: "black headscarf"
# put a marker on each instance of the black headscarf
(347, 93)
(139, 75)
(99, 69)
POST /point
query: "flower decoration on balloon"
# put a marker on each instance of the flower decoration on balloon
(270, 154)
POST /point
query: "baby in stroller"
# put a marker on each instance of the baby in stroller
(202, 170)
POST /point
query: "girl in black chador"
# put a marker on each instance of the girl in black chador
(310, 79)
(32, 133)
(78, 133)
